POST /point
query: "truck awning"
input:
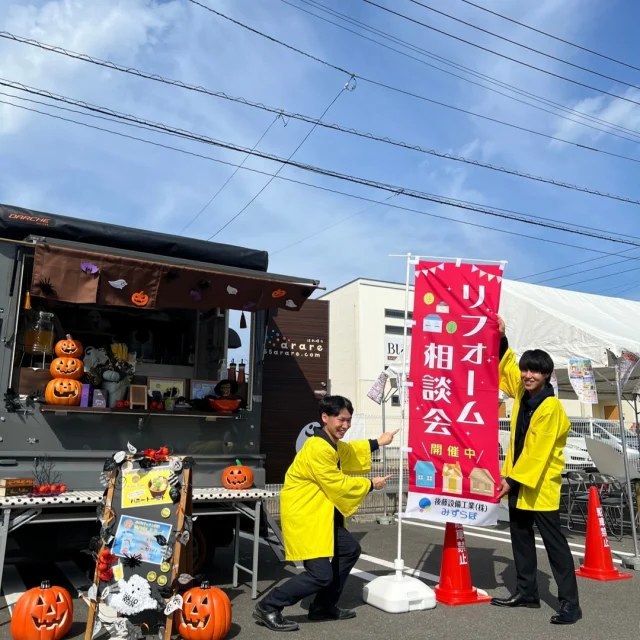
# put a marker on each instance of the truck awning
(70, 274)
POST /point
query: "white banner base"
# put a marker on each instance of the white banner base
(438, 508)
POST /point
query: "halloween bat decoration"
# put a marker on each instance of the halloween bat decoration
(205, 614)
(237, 476)
(69, 348)
(42, 613)
(89, 268)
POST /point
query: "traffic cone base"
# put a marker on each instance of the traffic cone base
(598, 562)
(455, 588)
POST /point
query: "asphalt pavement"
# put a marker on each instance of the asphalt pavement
(611, 609)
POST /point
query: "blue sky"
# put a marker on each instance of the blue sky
(63, 168)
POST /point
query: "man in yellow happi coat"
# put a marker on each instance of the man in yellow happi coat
(532, 479)
(319, 493)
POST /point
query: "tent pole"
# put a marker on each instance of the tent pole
(634, 561)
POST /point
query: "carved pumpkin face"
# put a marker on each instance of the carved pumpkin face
(67, 368)
(205, 614)
(140, 299)
(42, 613)
(69, 348)
(63, 391)
(279, 293)
(237, 477)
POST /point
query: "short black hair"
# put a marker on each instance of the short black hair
(333, 405)
(537, 361)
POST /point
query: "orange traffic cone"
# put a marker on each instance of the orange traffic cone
(598, 563)
(455, 586)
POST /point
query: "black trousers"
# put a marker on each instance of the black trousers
(525, 558)
(323, 577)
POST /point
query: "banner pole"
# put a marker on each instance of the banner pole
(399, 564)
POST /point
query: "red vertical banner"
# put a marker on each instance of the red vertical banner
(454, 468)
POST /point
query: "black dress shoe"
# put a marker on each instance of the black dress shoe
(567, 614)
(273, 620)
(516, 600)
(317, 613)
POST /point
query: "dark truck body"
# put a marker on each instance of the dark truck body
(78, 443)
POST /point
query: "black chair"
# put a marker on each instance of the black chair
(578, 484)
(613, 500)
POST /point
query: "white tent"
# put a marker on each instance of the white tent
(569, 324)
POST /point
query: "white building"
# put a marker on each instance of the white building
(366, 335)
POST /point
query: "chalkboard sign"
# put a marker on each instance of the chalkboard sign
(144, 550)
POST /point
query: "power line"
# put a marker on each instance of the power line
(275, 175)
(219, 94)
(574, 273)
(219, 191)
(544, 33)
(404, 145)
(609, 275)
(496, 53)
(298, 182)
(317, 5)
(524, 46)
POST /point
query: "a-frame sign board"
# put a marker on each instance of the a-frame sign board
(144, 550)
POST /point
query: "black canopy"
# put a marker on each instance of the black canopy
(17, 223)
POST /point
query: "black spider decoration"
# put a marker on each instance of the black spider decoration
(11, 401)
(132, 561)
(171, 275)
(45, 286)
(204, 284)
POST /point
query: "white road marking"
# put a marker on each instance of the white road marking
(73, 574)
(488, 537)
(12, 586)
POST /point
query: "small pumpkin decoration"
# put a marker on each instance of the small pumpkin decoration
(205, 614)
(69, 348)
(237, 476)
(42, 613)
(279, 293)
(63, 391)
(140, 299)
(67, 368)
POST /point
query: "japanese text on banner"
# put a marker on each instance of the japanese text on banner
(453, 401)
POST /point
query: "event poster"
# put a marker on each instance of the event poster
(137, 537)
(454, 469)
(583, 380)
(141, 488)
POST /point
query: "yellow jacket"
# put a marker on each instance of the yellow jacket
(539, 467)
(313, 487)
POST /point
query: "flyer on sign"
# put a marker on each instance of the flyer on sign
(454, 468)
(137, 536)
(141, 488)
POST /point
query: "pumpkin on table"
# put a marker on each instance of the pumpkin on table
(63, 391)
(205, 614)
(42, 613)
(67, 368)
(69, 348)
(237, 476)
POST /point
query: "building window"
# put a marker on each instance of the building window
(396, 313)
(396, 331)
(395, 401)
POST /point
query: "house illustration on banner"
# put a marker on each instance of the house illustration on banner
(482, 482)
(425, 474)
(452, 478)
(432, 323)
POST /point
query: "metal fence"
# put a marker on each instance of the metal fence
(386, 461)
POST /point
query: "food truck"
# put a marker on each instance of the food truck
(114, 336)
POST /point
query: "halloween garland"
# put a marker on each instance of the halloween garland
(126, 597)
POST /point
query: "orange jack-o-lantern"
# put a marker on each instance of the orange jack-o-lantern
(237, 476)
(63, 391)
(140, 299)
(67, 368)
(205, 614)
(278, 293)
(69, 348)
(42, 613)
